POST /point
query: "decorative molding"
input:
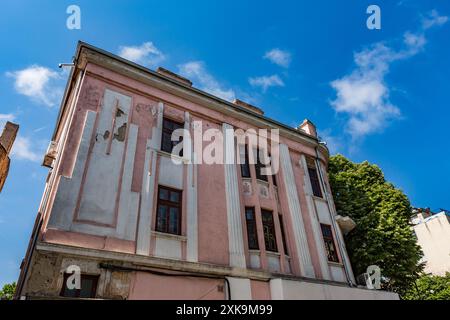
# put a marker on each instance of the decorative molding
(235, 234)
(323, 259)
(295, 213)
(148, 186)
(191, 190)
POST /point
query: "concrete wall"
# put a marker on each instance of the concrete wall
(433, 235)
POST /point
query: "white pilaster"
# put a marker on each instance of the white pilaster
(191, 192)
(323, 260)
(295, 213)
(235, 232)
(240, 288)
(148, 185)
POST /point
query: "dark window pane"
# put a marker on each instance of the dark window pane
(88, 287)
(274, 180)
(173, 218)
(166, 138)
(329, 243)
(161, 223)
(245, 167)
(168, 215)
(259, 166)
(174, 196)
(283, 235)
(315, 183)
(269, 231)
(251, 229)
(163, 194)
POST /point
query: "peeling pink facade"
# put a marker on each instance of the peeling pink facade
(99, 208)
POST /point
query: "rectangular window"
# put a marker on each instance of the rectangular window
(330, 247)
(88, 287)
(259, 166)
(269, 231)
(245, 167)
(314, 178)
(274, 180)
(170, 126)
(283, 235)
(252, 234)
(168, 216)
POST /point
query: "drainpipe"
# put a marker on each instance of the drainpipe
(333, 221)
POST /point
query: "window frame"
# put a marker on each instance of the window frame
(246, 164)
(332, 256)
(167, 131)
(169, 204)
(314, 178)
(251, 226)
(270, 226)
(83, 276)
(258, 167)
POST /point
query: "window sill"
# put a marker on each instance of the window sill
(273, 253)
(262, 182)
(254, 251)
(169, 236)
(335, 264)
(318, 198)
(169, 155)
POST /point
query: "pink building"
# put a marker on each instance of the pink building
(139, 226)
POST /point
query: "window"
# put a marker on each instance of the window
(274, 180)
(168, 216)
(329, 243)
(245, 167)
(259, 166)
(252, 234)
(283, 235)
(269, 230)
(88, 287)
(314, 178)
(170, 126)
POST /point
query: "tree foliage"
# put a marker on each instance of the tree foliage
(429, 287)
(7, 293)
(382, 235)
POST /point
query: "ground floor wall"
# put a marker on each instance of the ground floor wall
(127, 276)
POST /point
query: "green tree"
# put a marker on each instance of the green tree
(382, 235)
(7, 293)
(429, 287)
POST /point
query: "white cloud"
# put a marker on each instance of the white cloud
(4, 117)
(266, 82)
(145, 54)
(24, 149)
(37, 83)
(196, 72)
(279, 57)
(433, 19)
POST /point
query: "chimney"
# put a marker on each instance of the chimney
(171, 75)
(308, 127)
(248, 106)
(8, 136)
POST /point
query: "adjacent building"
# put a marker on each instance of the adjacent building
(432, 230)
(6, 142)
(138, 225)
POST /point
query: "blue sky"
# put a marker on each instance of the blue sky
(376, 95)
